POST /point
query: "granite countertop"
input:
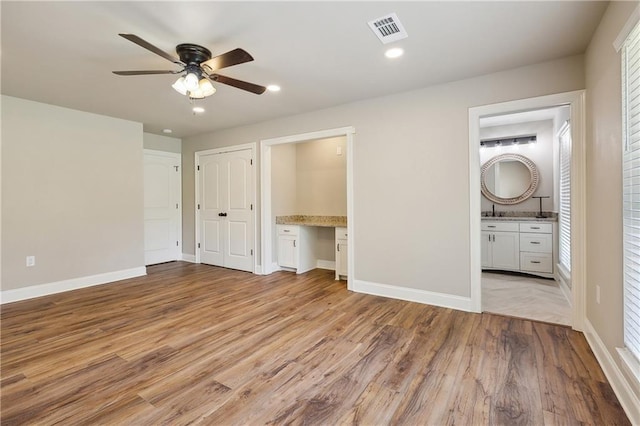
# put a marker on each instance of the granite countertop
(524, 218)
(307, 220)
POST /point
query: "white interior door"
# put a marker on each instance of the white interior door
(161, 207)
(210, 207)
(226, 210)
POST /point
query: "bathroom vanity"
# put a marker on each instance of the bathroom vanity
(519, 244)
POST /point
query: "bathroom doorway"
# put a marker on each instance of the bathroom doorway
(528, 279)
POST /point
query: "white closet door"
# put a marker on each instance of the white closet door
(226, 213)
(161, 207)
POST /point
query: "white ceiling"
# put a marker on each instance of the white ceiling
(321, 53)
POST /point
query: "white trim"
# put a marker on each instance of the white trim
(576, 100)
(413, 295)
(564, 287)
(175, 156)
(634, 18)
(630, 365)
(621, 387)
(265, 192)
(326, 264)
(188, 258)
(14, 295)
(253, 147)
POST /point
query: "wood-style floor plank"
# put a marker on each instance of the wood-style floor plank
(195, 344)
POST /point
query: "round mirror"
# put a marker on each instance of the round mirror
(509, 179)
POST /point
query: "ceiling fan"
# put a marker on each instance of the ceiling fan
(197, 68)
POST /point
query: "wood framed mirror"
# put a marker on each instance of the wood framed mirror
(509, 179)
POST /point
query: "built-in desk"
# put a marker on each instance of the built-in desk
(297, 236)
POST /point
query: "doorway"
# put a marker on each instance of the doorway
(268, 219)
(225, 213)
(575, 101)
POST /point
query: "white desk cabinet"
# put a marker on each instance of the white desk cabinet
(341, 253)
(296, 247)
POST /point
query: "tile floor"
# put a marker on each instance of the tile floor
(525, 297)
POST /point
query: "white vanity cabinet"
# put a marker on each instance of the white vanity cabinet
(500, 245)
(296, 247)
(341, 253)
(536, 247)
(521, 246)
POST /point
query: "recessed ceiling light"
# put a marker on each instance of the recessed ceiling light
(167, 131)
(198, 110)
(273, 88)
(394, 52)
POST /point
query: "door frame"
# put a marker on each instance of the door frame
(253, 177)
(576, 100)
(176, 156)
(265, 193)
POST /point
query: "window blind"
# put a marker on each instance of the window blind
(631, 189)
(564, 219)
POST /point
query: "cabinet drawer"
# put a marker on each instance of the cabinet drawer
(543, 228)
(341, 233)
(287, 229)
(500, 226)
(539, 243)
(536, 262)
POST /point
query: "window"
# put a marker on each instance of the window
(564, 225)
(631, 189)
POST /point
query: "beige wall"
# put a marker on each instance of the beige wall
(604, 178)
(541, 153)
(411, 171)
(162, 143)
(72, 194)
(321, 176)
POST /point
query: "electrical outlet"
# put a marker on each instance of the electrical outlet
(339, 151)
(598, 294)
(31, 260)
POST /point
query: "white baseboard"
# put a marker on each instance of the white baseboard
(566, 290)
(413, 295)
(621, 387)
(34, 291)
(326, 264)
(189, 257)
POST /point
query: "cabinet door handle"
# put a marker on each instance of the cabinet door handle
(535, 227)
(286, 230)
(489, 237)
(535, 261)
(494, 238)
(294, 243)
(491, 226)
(337, 247)
(535, 242)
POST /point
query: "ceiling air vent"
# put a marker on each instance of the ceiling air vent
(388, 28)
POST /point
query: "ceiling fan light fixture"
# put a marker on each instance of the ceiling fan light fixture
(191, 81)
(179, 86)
(205, 88)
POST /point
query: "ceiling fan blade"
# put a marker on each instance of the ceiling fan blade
(150, 47)
(249, 87)
(145, 72)
(232, 57)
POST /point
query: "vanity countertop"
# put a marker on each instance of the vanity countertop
(307, 220)
(519, 219)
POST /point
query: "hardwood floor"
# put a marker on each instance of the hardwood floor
(199, 344)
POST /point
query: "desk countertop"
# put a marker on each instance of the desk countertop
(307, 220)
